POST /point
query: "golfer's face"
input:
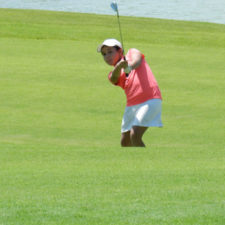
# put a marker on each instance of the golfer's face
(111, 55)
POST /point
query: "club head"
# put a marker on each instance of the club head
(114, 6)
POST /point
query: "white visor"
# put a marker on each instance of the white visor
(109, 42)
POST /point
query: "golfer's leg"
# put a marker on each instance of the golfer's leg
(125, 139)
(136, 134)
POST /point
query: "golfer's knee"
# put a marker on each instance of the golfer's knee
(125, 140)
(134, 135)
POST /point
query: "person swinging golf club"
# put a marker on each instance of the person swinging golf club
(144, 100)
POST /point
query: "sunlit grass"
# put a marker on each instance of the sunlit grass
(60, 158)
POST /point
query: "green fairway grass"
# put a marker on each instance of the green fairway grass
(60, 157)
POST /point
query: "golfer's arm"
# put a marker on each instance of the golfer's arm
(136, 60)
(115, 74)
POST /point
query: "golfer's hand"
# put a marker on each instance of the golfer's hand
(117, 69)
(122, 64)
(127, 68)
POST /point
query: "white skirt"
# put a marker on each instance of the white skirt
(146, 114)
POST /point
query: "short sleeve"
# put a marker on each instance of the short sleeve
(131, 52)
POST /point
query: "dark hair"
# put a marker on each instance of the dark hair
(117, 47)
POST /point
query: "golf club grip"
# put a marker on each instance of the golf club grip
(127, 74)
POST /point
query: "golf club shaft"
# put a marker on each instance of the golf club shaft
(121, 37)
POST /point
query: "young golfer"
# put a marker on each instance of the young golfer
(144, 101)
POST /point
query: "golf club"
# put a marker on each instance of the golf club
(114, 6)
